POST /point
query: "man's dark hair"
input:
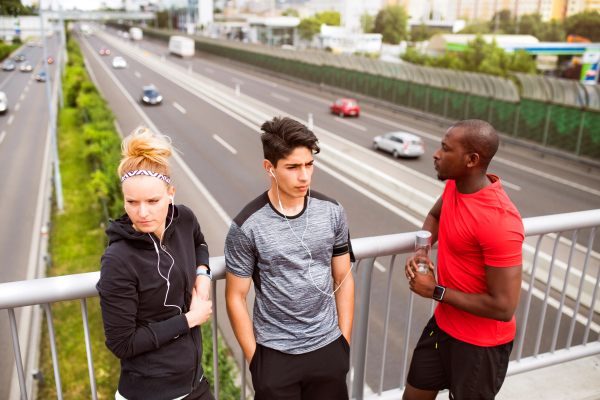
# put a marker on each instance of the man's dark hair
(479, 137)
(282, 135)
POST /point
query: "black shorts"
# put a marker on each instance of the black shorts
(441, 361)
(316, 375)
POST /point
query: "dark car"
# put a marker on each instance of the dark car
(104, 51)
(150, 95)
(345, 107)
(41, 77)
(50, 60)
(20, 57)
(8, 65)
(26, 67)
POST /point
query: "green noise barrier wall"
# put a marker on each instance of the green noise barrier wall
(568, 128)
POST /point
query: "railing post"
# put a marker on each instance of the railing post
(580, 133)
(546, 125)
(445, 112)
(426, 107)
(213, 286)
(403, 372)
(88, 348)
(362, 329)
(516, 124)
(467, 106)
(528, 301)
(386, 323)
(15, 338)
(50, 322)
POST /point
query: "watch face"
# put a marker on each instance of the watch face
(438, 293)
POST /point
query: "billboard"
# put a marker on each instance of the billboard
(589, 67)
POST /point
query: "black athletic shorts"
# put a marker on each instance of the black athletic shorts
(316, 375)
(441, 361)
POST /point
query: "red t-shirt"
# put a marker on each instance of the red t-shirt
(478, 229)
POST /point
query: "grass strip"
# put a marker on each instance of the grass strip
(89, 151)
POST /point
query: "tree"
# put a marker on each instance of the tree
(553, 31)
(476, 27)
(291, 12)
(391, 23)
(586, 24)
(420, 33)
(308, 28)
(14, 8)
(367, 22)
(479, 56)
(331, 18)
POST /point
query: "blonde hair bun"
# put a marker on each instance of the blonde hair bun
(145, 150)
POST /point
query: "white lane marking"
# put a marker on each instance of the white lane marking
(568, 311)
(498, 159)
(10, 119)
(26, 88)
(510, 185)
(177, 106)
(280, 97)
(379, 267)
(209, 70)
(386, 204)
(352, 124)
(199, 185)
(224, 144)
(138, 75)
(548, 176)
(2, 135)
(17, 106)
(236, 80)
(22, 96)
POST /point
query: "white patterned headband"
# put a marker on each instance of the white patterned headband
(145, 173)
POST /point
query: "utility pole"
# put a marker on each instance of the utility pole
(57, 178)
(63, 37)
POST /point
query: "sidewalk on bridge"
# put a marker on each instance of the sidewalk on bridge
(573, 380)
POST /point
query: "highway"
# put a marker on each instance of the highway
(222, 149)
(23, 144)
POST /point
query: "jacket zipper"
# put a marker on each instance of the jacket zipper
(185, 277)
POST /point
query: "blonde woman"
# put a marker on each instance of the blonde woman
(155, 281)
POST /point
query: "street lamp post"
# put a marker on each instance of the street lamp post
(57, 178)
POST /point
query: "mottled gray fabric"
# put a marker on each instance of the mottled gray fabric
(290, 314)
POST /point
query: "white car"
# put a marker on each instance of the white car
(119, 62)
(400, 144)
(3, 103)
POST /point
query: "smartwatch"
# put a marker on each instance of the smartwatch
(438, 293)
(202, 271)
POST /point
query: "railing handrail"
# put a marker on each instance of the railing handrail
(78, 286)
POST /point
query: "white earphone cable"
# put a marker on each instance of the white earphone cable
(301, 240)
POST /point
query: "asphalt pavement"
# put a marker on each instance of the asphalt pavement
(23, 133)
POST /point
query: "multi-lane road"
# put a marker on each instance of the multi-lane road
(225, 154)
(23, 148)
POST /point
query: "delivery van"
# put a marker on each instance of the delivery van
(181, 46)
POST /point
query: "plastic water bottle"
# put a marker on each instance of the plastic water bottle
(423, 251)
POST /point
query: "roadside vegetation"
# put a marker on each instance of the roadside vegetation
(479, 56)
(89, 150)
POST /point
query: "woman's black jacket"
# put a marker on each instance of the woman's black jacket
(160, 355)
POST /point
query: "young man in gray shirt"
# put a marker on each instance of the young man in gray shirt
(294, 244)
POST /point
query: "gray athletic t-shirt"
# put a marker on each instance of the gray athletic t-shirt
(290, 314)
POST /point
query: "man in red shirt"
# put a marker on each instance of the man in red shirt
(466, 345)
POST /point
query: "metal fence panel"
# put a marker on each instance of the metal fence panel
(590, 140)
(532, 115)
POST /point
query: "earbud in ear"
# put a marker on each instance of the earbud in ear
(172, 199)
(271, 171)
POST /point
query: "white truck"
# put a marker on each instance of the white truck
(136, 33)
(182, 46)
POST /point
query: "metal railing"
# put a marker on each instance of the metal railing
(367, 250)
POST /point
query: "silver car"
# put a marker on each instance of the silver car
(3, 103)
(400, 144)
(119, 62)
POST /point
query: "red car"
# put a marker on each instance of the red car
(104, 51)
(344, 107)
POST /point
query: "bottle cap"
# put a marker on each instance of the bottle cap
(423, 238)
